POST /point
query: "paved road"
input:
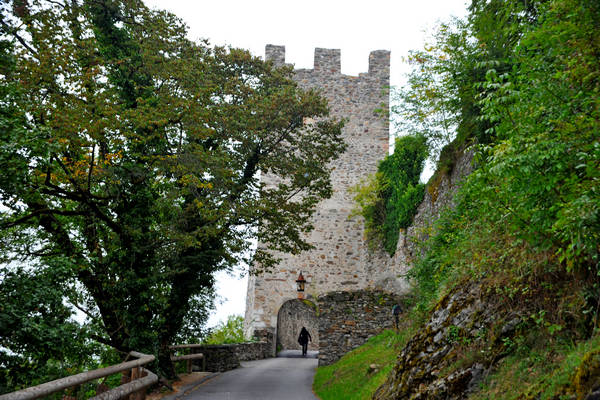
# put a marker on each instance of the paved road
(288, 377)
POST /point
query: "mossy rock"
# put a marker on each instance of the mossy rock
(433, 186)
(587, 376)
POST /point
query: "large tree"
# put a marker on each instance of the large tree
(131, 157)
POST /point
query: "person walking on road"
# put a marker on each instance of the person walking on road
(303, 339)
(396, 310)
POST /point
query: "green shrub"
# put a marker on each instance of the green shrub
(532, 206)
(230, 331)
(389, 199)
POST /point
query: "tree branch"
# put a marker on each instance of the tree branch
(91, 168)
(108, 342)
(85, 199)
(37, 213)
(85, 311)
(8, 28)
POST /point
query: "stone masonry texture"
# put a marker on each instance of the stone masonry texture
(225, 357)
(340, 260)
(348, 319)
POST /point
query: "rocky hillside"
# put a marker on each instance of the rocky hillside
(506, 272)
(466, 344)
(478, 331)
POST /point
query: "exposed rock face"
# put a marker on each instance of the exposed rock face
(348, 319)
(439, 195)
(464, 316)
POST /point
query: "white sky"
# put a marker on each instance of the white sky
(355, 27)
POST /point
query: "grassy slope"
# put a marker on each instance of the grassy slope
(554, 371)
(349, 378)
(544, 370)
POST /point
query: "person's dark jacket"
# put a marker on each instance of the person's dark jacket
(304, 337)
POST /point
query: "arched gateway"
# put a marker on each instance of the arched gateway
(292, 316)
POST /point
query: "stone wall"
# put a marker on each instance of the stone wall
(267, 336)
(217, 357)
(253, 351)
(338, 334)
(294, 315)
(439, 195)
(340, 260)
(225, 357)
(348, 319)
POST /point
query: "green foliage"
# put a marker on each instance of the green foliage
(38, 338)
(532, 204)
(402, 192)
(453, 334)
(194, 330)
(130, 159)
(370, 205)
(439, 100)
(526, 221)
(388, 200)
(230, 331)
(436, 262)
(542, 177)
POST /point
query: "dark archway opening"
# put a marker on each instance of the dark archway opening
(292, 316)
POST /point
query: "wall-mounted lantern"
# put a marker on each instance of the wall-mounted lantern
(300, 282)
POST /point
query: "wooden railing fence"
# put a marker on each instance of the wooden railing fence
(141, 379)
(188, 357)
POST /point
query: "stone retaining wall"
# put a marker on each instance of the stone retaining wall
(253, 351)
(225, 357)
(348, 319)
(218, 358)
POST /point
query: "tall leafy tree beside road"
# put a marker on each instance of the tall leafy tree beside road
(131, 158)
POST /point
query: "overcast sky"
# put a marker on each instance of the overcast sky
(355, 27)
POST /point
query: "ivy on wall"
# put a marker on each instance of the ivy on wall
(388, 200)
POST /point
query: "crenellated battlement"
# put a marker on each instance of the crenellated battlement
(379, 63)
(275, 53)
(330, 60)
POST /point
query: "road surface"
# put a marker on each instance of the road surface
(287, 377)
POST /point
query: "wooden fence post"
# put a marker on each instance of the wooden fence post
(136, 373)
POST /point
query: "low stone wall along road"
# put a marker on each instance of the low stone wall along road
(288, 377)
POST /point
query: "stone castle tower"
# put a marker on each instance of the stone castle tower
(340, 260)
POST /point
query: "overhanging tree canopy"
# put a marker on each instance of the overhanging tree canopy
(132, 155)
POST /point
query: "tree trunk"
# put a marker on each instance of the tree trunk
(165, 364)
